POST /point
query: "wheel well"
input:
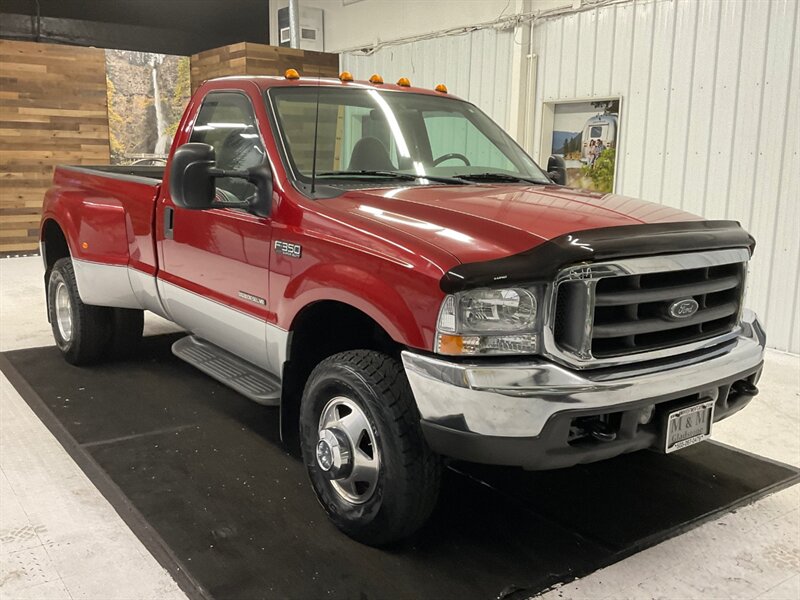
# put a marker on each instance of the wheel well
(319, 331)
(55, 243)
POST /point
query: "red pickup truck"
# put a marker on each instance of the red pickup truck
(390, 269)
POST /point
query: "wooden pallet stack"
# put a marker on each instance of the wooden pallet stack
(247, 58)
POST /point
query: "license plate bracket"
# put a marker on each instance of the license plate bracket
(688, 425)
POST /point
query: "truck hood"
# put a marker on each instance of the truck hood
(484, 222)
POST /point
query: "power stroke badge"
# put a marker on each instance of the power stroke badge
(288, 249)
(252, 298)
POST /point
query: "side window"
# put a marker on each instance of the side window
(227, 122)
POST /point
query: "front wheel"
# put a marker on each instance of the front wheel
(367, 459)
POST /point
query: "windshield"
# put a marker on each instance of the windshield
(364, 133)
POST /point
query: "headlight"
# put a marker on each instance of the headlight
(488, 321)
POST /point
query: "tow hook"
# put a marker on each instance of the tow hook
(600, 431)
(744, 388)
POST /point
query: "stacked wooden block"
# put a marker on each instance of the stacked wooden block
(247, 58)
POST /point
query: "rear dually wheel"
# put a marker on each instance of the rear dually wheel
(81, 331)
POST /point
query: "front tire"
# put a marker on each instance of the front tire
(81, 331)
(363, 447)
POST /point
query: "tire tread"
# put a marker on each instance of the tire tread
(422, 467)
(91, 324)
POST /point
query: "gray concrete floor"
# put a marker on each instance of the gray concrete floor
(59, 538)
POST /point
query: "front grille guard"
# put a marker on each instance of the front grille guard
(580, 355)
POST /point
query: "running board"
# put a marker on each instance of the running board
(247, 379)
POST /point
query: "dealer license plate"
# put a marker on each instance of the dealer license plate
(689, 425)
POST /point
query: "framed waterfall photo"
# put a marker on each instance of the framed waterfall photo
(147, 93)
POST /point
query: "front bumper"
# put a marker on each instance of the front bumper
(523, 413)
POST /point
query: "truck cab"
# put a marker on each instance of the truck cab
(393, 273)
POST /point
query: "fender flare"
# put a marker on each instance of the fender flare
(341, 283)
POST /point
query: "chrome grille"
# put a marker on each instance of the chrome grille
(617, 312)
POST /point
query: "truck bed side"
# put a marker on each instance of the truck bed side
(106, 215)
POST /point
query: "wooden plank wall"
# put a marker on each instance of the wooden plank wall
(53, 110)
(247, 58)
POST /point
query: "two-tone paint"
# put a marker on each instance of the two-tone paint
(383, 251)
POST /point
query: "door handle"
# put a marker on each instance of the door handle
(169, 222)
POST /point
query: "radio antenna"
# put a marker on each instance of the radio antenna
(316, 131)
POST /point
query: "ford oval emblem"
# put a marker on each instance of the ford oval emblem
(683, 309)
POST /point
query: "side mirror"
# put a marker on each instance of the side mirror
(557, 170)
(192, 185)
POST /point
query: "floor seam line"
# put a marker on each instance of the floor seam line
(136, 436)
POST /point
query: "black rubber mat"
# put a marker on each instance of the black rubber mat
(199, 474)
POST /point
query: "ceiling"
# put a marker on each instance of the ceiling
(169, 26)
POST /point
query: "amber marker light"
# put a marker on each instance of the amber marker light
(345, 76)
(404, 82)
(85, 245)
(291, 74)
(451, 344)
(376, 79)
(441, 88)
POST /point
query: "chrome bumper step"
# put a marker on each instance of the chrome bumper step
(247, 379)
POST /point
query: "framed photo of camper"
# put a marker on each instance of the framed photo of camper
(585, 134)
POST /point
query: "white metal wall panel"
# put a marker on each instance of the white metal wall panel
(474, 66)
(710, 109)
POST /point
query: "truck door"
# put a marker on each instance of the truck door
(214, 275)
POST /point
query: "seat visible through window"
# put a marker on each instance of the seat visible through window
(369, 154)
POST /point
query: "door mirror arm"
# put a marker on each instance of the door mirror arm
(261, 177)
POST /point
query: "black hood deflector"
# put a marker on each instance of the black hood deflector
(542, 263)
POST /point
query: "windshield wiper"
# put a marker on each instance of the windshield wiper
(504, 177)
(368, 174)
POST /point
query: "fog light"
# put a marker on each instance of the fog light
(646, 414)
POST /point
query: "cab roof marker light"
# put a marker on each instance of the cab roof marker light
(404, 82)
(345, 76)
(376, 79)
(441, 88)
(291, 74)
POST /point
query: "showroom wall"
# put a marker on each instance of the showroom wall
(474, 66)
(706, 121)
(52, 111)
(66, 104)
(350, 24)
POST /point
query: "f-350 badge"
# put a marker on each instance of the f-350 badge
(288, 249)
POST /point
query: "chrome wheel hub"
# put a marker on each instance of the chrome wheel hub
(334, 455)
(347, 451)
(63, 310)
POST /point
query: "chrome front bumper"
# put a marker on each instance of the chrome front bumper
(517, 399)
